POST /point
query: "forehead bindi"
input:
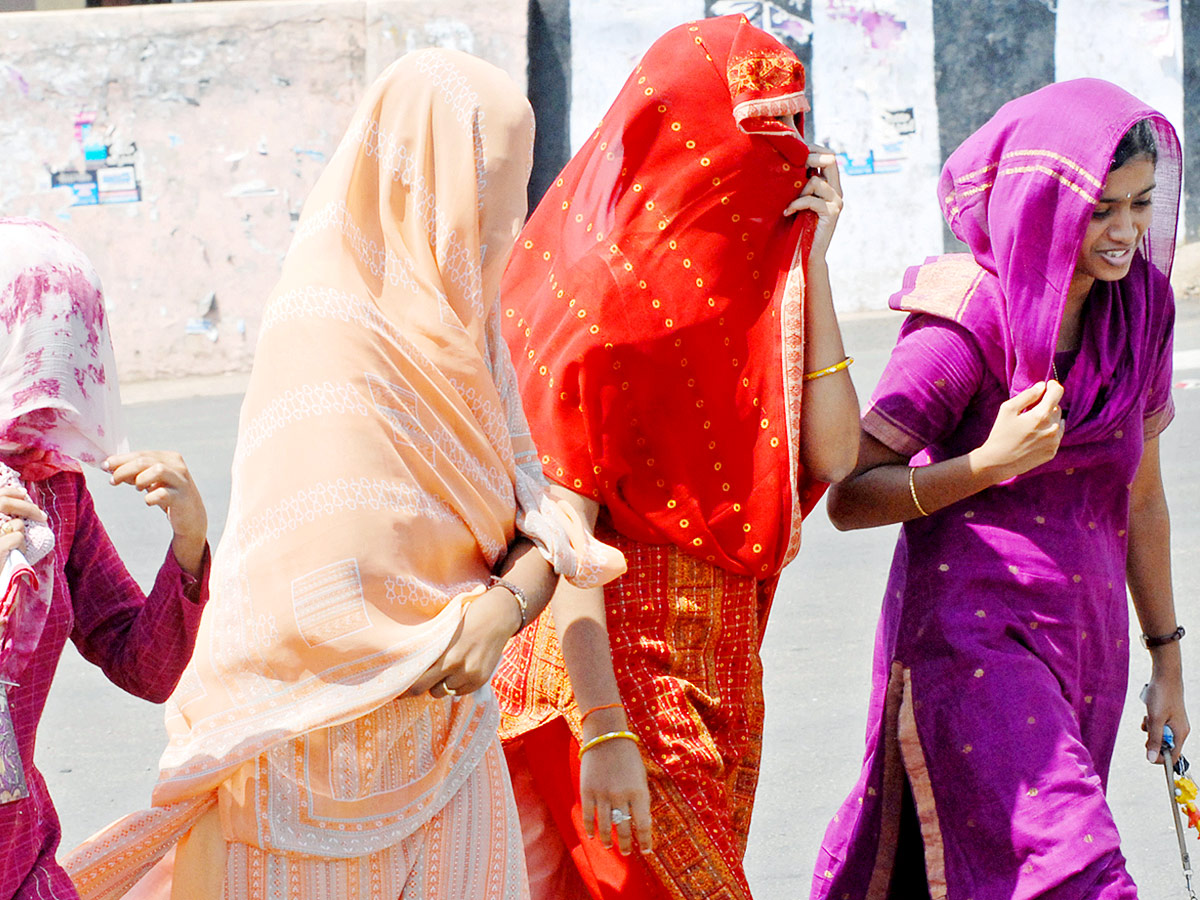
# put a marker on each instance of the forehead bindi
(1133, 180)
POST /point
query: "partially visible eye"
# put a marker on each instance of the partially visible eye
(1142, 204)
(1101, 213)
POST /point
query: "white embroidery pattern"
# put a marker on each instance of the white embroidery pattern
(464, 101)
(461, 266)
(382, 262)
(447, 315)
(328, 303)
(452, 83)
(323, 499)
(304, 402)
(400, 406)
(395, 159)
(328, 603)
(189, 689)
(402, 591)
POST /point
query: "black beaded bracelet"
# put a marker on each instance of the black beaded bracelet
(1163, 639)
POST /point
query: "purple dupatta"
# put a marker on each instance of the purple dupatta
(1019, 192)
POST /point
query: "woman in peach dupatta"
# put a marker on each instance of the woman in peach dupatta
(383, 471)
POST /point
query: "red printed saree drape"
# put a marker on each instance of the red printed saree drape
(654, 307)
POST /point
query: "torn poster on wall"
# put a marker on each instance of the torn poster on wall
(109, 174)
(891, 155)
(774, 17)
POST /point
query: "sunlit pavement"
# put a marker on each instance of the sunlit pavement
(99, 748)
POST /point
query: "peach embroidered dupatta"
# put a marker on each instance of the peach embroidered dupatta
(383, 465)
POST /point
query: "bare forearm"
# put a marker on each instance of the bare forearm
(884, 490)
(582, 629)
(829, 413)
(883, 495)
(525, 567)
(1148, 571)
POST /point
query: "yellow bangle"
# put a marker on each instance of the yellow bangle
(912, 489)
(610, 736)
(829, 370)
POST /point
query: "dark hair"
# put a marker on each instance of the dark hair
(1138, 141)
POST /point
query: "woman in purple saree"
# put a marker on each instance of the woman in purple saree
(1015, 434)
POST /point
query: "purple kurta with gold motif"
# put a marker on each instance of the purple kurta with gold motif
(1002, 654)
(1004, 638)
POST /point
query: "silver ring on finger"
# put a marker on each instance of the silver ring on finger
(620, 817)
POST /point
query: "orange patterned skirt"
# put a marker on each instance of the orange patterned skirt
(685, 639)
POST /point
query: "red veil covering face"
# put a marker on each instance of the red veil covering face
(654, 308)
(654, 303)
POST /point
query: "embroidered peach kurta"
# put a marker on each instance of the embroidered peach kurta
(383, 466)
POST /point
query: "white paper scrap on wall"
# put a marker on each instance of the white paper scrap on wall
(875, 104)
(1137, 44)
(607, 42)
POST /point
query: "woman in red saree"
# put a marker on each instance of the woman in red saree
(665, 309)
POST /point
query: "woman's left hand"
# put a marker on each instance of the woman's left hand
(15, 508)
(822, 193)
(1164, 706)
(168, 484)
(474, 652)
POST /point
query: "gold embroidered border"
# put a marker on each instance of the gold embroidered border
(951, 200)
(922, 789)
(892, 798)
(1067, 161)
(792, 321)
(953, 196)
(765, 72)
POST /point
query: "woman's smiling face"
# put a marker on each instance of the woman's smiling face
(1119, 222)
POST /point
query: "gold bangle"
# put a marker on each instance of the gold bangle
(829, 370)
(609, 736)
(912, 489)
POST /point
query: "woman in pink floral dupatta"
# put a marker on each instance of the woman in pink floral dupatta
(61, 577)
(1029, 386)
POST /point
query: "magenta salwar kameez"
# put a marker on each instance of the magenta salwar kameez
(1002, 653)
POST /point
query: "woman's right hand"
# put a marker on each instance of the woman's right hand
(822, 194)
(613, 776)
(1027, 432)
(15, 508)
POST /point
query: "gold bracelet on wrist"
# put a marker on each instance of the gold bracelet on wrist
(608, 736)
(912, 489)
(829, 370)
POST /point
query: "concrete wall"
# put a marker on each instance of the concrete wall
(897, 84)
(226, 113)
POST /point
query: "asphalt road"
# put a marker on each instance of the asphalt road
(99, 747)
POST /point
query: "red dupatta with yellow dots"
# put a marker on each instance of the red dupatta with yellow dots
(654, 303)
